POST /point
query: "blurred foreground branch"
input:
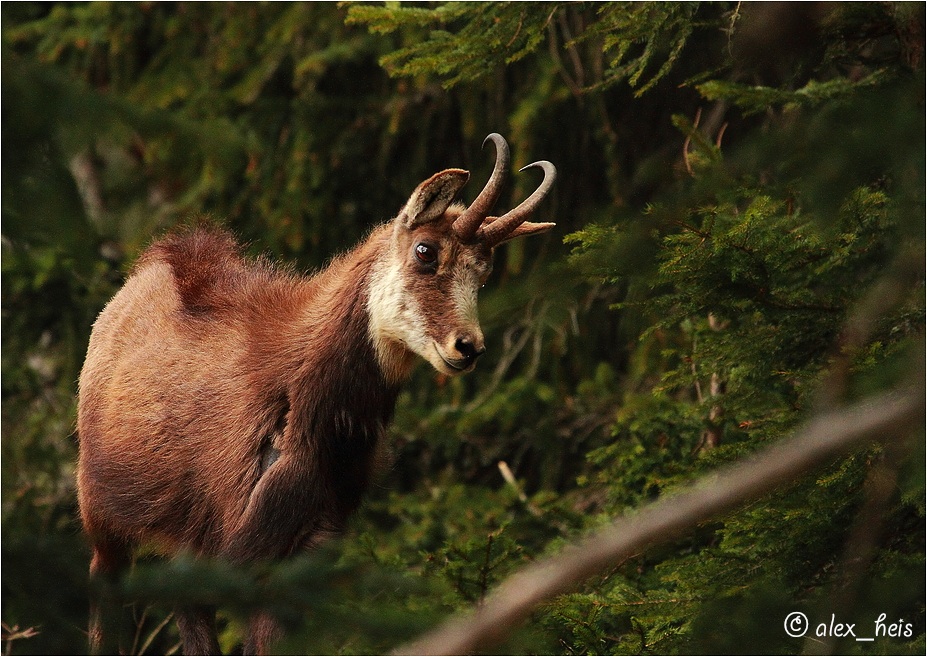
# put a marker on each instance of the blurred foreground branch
(824, 438)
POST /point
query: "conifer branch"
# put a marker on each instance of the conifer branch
(883, 417)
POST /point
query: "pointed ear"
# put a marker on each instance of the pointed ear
(432, 197)
(525, 229)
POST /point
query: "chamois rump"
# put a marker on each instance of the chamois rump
(230, 409)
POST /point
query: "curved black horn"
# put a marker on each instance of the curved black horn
(499, 229)
(472, 218)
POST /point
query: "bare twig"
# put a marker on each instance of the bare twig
(685, 144)
(139, 626)
(155, 632)
(729, 30)
(711, 438)
(698, 386)
(826, 437)
(11, 634)
(521, 19)
(85, 170)
(526, 328)
(510, 480)
(720, 136)
(571, 84)
(571, 50)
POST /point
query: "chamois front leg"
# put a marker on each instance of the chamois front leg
(284, 508)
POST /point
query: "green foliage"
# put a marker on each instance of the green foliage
(490, 36)
(741, 194)
(632, 34)
(753, 282)
(757, 99)
(480, 38)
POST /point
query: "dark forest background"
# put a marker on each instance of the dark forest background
(739, 245)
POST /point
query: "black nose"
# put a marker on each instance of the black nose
(468, 350)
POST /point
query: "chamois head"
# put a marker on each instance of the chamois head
(423, 294)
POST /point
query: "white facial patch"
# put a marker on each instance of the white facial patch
(396, 323)
(464, 294)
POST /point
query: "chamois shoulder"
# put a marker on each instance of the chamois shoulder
(208, 268)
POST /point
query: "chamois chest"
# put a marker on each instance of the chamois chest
(337, 403)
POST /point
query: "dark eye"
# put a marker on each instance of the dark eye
(427, 255)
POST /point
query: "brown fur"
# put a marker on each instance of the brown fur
(232, 409)
(204, 360)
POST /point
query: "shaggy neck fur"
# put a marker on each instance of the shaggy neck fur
(358, 370)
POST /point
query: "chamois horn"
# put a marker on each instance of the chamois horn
(472, 218)
(513, 223)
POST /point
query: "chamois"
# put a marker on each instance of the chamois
(230, 409)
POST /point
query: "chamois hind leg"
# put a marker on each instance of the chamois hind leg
(197, 625)
(111, 556)
(263, 631)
